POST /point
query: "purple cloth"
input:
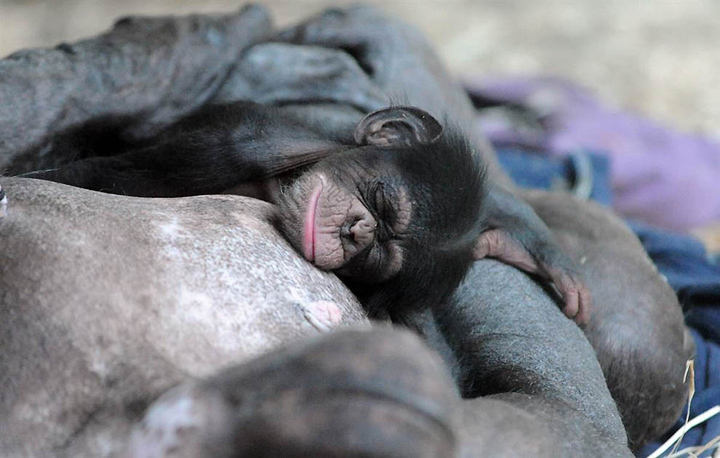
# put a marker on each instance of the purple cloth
(666, 178)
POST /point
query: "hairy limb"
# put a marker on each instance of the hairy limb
(145, 73)
(283, 73)
(209, 152)
(517, 236)
(521, 358)
(395, 55)
(371, 394)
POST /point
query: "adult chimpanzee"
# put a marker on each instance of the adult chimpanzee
(399, 207)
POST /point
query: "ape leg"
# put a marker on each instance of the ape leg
(377, 393)
(372, 394)
(637, 327)
(142, 75)
(271, 74)
(209, 152)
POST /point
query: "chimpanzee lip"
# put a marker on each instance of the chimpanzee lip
(309, 229)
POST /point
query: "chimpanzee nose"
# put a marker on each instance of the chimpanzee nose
(361, 231)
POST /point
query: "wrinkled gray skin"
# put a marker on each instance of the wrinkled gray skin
(108, 300)
(381, 393)
(96, 322)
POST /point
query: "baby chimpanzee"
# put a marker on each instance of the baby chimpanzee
(402, 205)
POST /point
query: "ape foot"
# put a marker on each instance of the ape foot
(371, 394)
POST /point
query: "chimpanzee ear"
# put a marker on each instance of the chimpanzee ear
(397, 125)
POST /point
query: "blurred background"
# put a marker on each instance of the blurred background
(657, 57)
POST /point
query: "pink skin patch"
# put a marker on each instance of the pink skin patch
(309, 229)
(323, 315)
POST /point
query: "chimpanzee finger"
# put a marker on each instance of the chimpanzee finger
(546, 261)
(583, 316)
(573, 291)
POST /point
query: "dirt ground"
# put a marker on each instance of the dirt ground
(658, 57)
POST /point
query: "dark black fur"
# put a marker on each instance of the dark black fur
(206, 153)
(450, 180)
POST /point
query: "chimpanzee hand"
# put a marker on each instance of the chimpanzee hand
(396, 56)
(282, 73)
(517, 236)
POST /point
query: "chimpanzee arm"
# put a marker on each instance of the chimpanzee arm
(517, 236)
(209, 152)
(534, 360)
(145, 73)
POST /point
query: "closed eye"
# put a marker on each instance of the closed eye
(379, 202)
